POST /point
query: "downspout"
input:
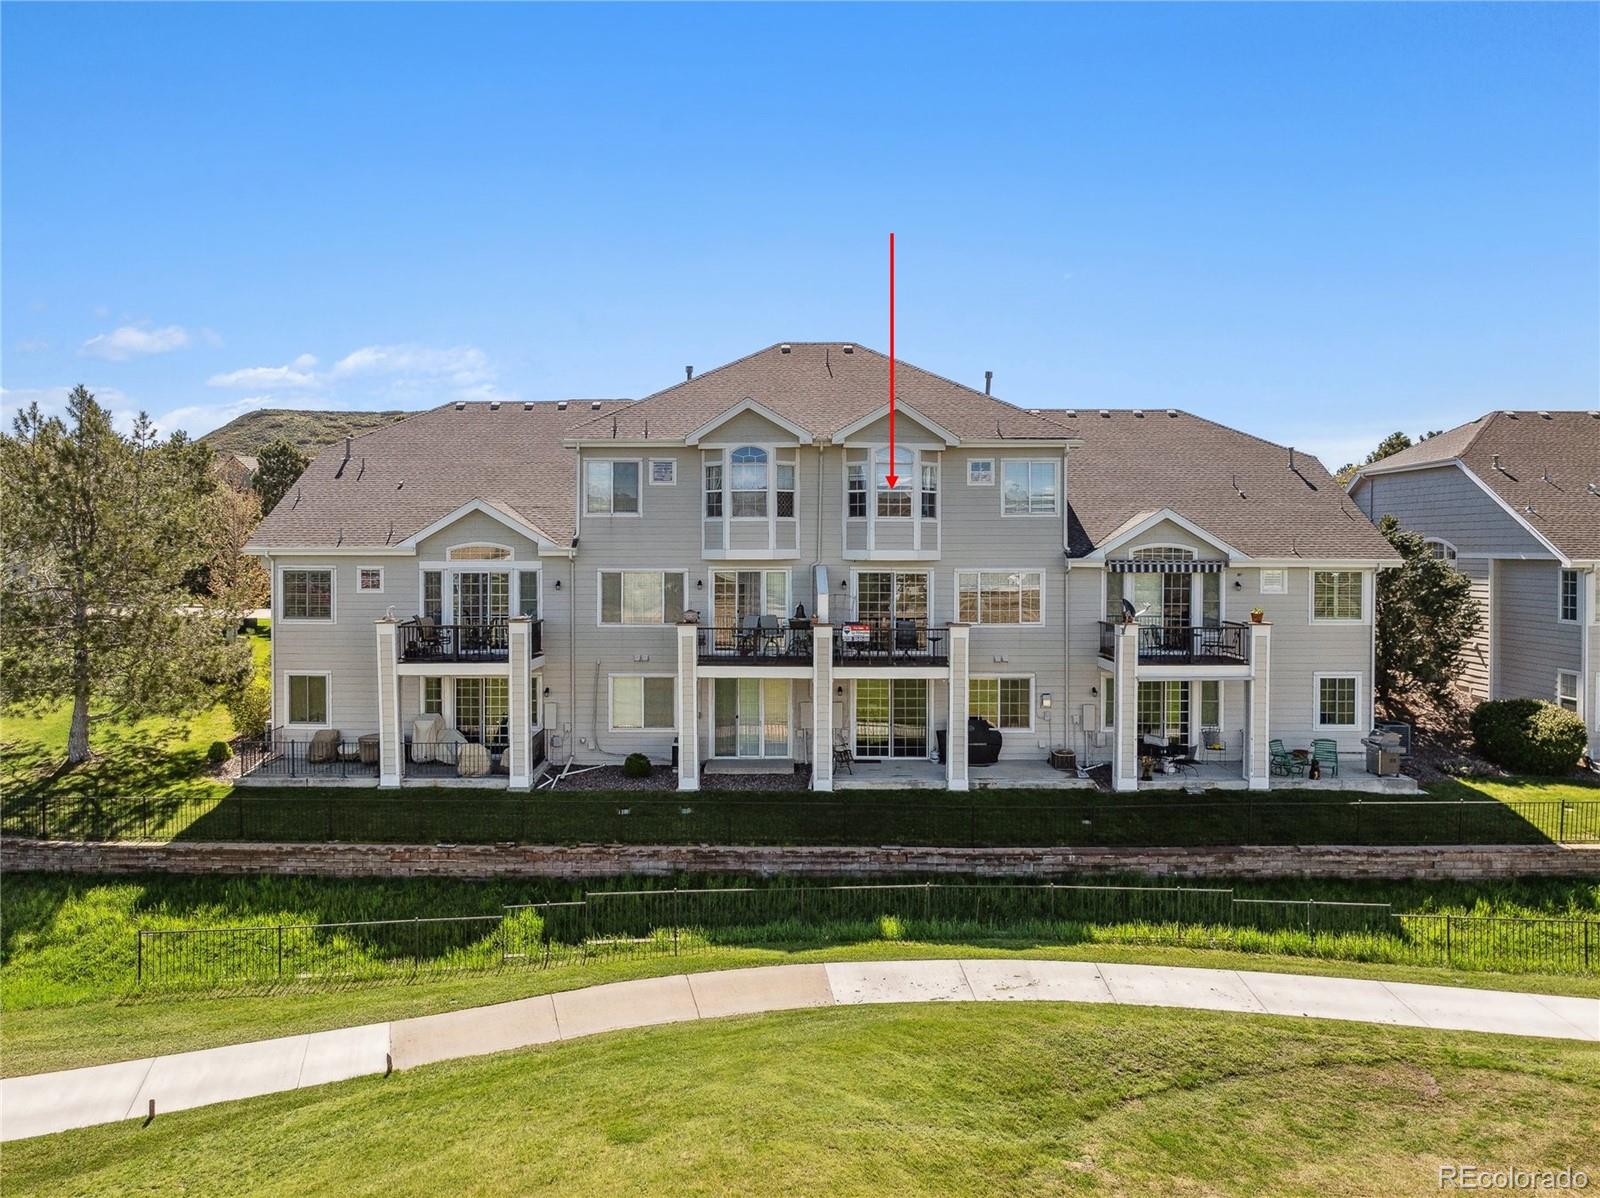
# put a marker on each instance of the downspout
(272, 645)
(572, 641)
(816, 599)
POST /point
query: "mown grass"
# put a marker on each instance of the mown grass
(1025, 1099)
(65, 981)
(153, 756)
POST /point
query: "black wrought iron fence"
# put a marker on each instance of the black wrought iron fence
(678, 922)
(367, 816)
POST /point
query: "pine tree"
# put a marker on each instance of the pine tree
(97, 531)
(278, 468)
(1426, 617)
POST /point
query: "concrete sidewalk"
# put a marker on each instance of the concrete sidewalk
(51, 1102)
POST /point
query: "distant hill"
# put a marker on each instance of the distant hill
(249, 434)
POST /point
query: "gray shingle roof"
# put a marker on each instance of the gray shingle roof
(1239, 488)
(407, 475)
(822, 388)
(1547, 462)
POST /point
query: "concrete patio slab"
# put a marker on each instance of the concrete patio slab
(898, 981)
(49, 1102)
(1171, 986)
(1039, 981)
(619, 1005)
(1484, 1011)
(1329, 998)
(347, 1052)
(191, 1079)
(472, 1033)
(763, 988)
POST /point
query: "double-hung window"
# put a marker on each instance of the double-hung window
(713, 490)
(930, 492)
(785, 489)
(1336, 595)
(1004, 702)
(894, 502)
(307, 594)
(1567, 689)
(641, 596)
(1000, 596)
(308, 699)
(1571, 596)
(641, 702)
(1028, 487)
(855, 491)
(748, 478)
(611, 488)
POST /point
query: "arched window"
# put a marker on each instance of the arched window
(1163, 553)
(477, 553)
(747, 481)
(1441, 549)
(892, 501)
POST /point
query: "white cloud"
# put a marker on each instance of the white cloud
(198, 419)
(299, 373)
(135, 341)
(463, 366)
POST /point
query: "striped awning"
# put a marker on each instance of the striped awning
(1147, 565)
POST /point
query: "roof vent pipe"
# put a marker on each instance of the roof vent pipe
(688, 373)
(1497, 464)
(988, 380)
(347, 449)
(1291, 457)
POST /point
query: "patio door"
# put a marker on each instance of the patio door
(884, 596)
(891, 717)
(481, 596)
(1163, 709)
(750, 717)
(736, 594)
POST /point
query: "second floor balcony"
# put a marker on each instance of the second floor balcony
(1163, 643)
(424, 641)
(904, 642)
(756, 639)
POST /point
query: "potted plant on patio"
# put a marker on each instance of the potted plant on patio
(1257, 615)
(1145, 766)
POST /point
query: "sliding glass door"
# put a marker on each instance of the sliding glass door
(750, 717)
(891, 717)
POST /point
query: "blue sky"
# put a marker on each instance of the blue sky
(1317, 223)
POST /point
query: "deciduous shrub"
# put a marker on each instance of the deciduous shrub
(251, 707)
(636, 766)
(219, 752)
(1528, 736)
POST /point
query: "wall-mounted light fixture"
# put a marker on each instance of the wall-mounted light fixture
(839, 691)
(1238, 582)
(547, 692)
(558, 584)
(1045, 702)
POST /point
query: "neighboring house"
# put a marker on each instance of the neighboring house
(236, 469)
(723, 571)
(1513, 501)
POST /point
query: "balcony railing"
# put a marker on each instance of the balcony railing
(1183, 644)
(777, 641)
(900, 642)
(425, 641)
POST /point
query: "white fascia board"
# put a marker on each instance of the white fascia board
(253, 550)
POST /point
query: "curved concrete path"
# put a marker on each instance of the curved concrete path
(50, 1102)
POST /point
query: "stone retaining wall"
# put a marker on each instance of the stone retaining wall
(603, 861)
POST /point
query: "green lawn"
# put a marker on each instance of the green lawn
(155, 756)
(68, 953)
(994, 1098)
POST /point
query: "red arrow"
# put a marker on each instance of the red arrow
(891, 478)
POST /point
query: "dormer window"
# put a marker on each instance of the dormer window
(477, 553)
(748, 482)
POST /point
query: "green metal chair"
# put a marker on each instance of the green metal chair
(1325, 753)
(1284, 762)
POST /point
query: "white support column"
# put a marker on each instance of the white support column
(955, 741)
(519, 635)
(1125, 750)
(1589, 660)
(822, 707)
(391, 744)
(688, 707)
(1258, 764)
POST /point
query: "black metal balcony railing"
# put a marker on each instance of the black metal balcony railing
(901, 642)
(1183, 644)
(783, 641)
(428, 642)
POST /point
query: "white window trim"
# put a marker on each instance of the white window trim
(1366, 598)
(1283, 582)
(1053, 513)
(919, 458)
(377, 590)
(599, 594)
(1561, 581)
(979, 623)
(536, 698)
(886, 568)
(1577, 690)
(1033, 698)
(1105, 680)
(650, 472)
(974, 462)
(327, 677)
(1450, 553)
(611, 705)
(708, 612)
(478, 562)
(1316, 700)
(278, 607)
(583, 481)
(772, 484)
(912, 483)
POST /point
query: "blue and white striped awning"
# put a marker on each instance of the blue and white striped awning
(1150, 565)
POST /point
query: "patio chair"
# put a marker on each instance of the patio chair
(1212, 743)
(843, 758)
(1325, 752)
(749, 631)
(770, 630)
(905, 636)
(1283, 762)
